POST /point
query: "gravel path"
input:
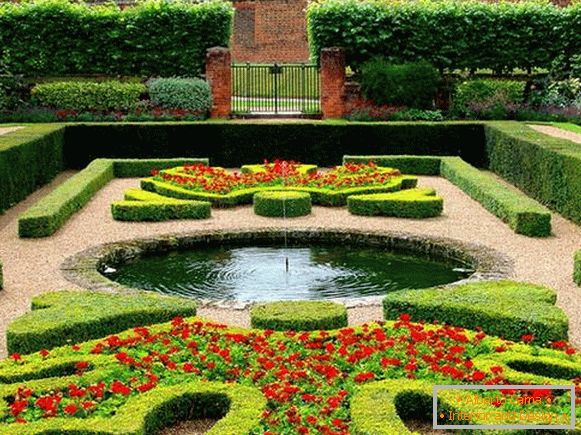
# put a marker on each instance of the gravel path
(32, 266)
(6, 130)
(557, 132)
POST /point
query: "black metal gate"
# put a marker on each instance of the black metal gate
(275, 89)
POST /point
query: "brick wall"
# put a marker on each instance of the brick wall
(270, 31)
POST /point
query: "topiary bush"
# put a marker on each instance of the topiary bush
(418, 203)
(72, 316)
(576, 268)
(298, 315)
(503, 308)
(159, 209)
(487, 98)
(411, 84)
(88, 95)
(190, 94)
(282, 204)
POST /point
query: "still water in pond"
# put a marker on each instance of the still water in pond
(258, 273)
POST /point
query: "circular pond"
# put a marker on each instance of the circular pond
(271, 271)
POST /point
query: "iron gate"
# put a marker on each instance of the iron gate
(275, 89)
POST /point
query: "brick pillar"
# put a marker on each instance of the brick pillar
(332, 82)
(219, 76)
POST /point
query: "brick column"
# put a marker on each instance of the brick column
(332, 82)
(219, 76)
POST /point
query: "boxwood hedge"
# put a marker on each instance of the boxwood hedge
(159, 208)
(298, 315)
(523, 214)
(416, 165)
(544, 167)
(415, 203)
(282, 204)
(73, 316)
(503, 308)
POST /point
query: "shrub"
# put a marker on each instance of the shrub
(523, 214)
(576, 268)
(487, 98)
(412, 84)
(282, 204)
(298, 315)
(143, 167)
(84, 95)
(51, 212)
(162, 209)
(546, 168)
(181, 93)
(71, 316)
(415, 165)
(448, 34)
(411, 203)
(29, 157)
(503, 308)
(154, 38)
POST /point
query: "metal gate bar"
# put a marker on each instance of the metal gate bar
(276, 89)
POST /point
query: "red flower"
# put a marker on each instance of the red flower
(82, 365)
(16, 356)
(71, 409)
(44, 353)
(478, 375)
(570, 351)
(118, 387)
(527, 338)
(362, 377)
(18, 406)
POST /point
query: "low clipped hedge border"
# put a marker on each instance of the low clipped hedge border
(418, 203)
(282, 204)
(30, 157)
(298, 315)
(544, 167)
(577, 267)
(51, 212)
(319, 196)
(523, 214)
(72, 316)
(83, 268)
(140, 205)
(416, 165)
(503, 308)
(240, 407)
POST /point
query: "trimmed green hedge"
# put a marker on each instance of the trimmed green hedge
(74, 316)
(298, 315)
(503, 308)
(416, 203)
(160, 210)
(130, 168)
(51, 212)
(319, 196)
(153, 38)
(240, 407)
(302, 169)
(449, 34)
(415, 165)
(88, 95)
(29, 158)
(282, 204)
(577, 267)
(524, 215)
(544, 167)
(229, 144)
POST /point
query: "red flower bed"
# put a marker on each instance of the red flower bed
(308, 378)
(280, 173)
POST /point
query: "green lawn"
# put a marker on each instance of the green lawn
(568, 126)
(293, 81)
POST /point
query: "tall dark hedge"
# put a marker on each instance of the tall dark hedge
(449, 34)
(56, 37)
